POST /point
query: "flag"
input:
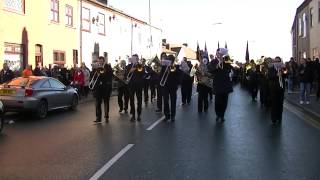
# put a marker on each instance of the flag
(247, 52)
(218, 45)
(225, 45)
(198, 51)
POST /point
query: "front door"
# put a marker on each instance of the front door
(38, 53)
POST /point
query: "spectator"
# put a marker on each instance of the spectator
(6, 74)
(305, 76)
(27, 71)
(78, 81)
(86, 74)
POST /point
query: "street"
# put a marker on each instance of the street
(68, 145)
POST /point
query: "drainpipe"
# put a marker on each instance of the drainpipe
(80, 32)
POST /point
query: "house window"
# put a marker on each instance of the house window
(300, 27)
(102, 28)
(59, 57)
(304, 25)
(311, 17)
(55, 10)
(13, 56)
(85, 19)
(69, 15)
(319, 12)
(14, 5)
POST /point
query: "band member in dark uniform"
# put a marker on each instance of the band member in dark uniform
(204, 85)
(147, 80)
(170, 78)
(264, 84)
(135, 79)
(253, 76)
(159, 88)
(276, 84)
(222, 84)
(187, 81)
(123, 92)
(102, 88)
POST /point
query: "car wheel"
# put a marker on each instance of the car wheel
(42, 109)
(74, 103)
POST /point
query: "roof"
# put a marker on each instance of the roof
(118, 12)
(167, 51)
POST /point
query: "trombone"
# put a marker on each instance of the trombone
(166, 73)
(94, 79)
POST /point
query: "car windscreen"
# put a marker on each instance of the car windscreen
(22, 82)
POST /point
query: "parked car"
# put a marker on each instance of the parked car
(37, 94)
(1, 116)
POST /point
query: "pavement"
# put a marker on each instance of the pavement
(313, 109)
(68, 145)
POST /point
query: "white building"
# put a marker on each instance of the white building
(115, 35)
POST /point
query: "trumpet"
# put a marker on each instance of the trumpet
(166, 73)
(95, 77)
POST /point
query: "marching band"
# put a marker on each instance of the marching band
(164, 76)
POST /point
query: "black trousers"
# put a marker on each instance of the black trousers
(123, 97)
(135, 91)
(211, 94)
(186, 91)
(203, 102)
(277, 98)
(146, 90)
(159, 97)
(105, 100)
(221, 103)
(153, 90)
(169, 93)
(254, 90)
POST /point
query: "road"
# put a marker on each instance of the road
(68, 145)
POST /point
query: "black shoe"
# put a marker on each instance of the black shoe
(126, 111)
(107, 119)
(217, 119)
(133, 119)
(274, 122)
(167, 118)
(183, 103)
(158, 111)
(139, 118)
(223, 119)
(120, 110)
(173, 119)
(97, 121)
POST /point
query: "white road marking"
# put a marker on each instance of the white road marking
(155, 123)
(101, 171)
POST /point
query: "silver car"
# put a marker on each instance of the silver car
(37, 94)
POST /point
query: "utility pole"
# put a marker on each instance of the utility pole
(150, 38)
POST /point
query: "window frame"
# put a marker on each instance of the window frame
(86, 20)
(68, 16)
(100, 24)
(58, 61)
(53, 11)
(311, 12)
(22, 12)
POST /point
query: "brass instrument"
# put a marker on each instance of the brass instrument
(94, 79)
(130, 73)
(164, 78)
(203, 76)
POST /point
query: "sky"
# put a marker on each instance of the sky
(265, 24)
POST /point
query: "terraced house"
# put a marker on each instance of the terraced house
(33, 32)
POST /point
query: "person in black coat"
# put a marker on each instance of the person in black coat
(169, 87)
(306, 77)
(253, 75)
(102, 90)
(136, 74)
(222, 84)
(6, 74)
(276, 86)
(186, 82)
